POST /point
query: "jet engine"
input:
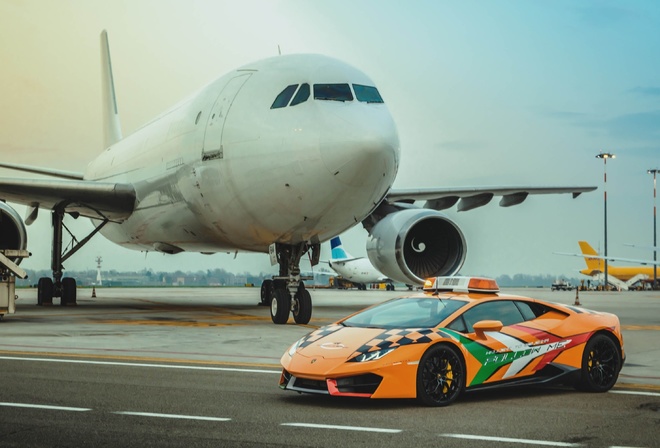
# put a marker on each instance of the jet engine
(13, 235)
(412, 245)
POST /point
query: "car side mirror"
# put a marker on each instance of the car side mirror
(486, 325)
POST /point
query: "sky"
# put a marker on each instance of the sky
(483, 93)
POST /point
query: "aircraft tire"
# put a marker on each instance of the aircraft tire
(68, 291)
(302, 311)
(45, 291)
(266, 292)
(280, 306)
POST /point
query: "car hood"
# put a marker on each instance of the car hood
(337, 341)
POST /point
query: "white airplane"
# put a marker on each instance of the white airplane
(357, 270)
(277, 157)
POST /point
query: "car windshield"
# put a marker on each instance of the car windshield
(421, 312)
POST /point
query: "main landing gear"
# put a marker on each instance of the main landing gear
(65, 288)
(286, 293)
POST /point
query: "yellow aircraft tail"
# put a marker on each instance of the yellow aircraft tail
(593, 264)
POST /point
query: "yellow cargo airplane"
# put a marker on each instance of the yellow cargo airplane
(624, 276)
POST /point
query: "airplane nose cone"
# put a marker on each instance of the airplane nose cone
(365, 149)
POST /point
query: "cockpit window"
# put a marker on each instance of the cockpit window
(284, 97)
(367, 94)
(302, 95)
(333, 92)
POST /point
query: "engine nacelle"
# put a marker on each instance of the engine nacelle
(411, 245)
(12, 231)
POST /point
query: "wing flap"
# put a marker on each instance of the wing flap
(92, 199)
(473, 197)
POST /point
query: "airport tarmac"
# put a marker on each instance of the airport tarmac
(224, 325)
(199, 366)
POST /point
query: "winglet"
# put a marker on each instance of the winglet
(111, 125)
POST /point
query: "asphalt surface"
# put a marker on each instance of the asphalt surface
(199, 367)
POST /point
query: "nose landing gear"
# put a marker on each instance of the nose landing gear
(286, 293)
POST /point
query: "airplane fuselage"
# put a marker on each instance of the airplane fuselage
(358, 270)
(227, 170)
(623, 273)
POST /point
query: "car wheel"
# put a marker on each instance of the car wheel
(440, 376)
(601, 362)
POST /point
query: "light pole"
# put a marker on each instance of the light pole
(655, 241)
(605, 156)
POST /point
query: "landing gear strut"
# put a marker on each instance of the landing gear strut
(65, 288)
(286, 293)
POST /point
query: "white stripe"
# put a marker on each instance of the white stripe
(346, 428)
(132, 364)
(43, 406)
(617, 446)
(509, 341)
(510, 440)
(183, 417)
(633, 392)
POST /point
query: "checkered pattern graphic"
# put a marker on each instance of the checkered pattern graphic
(397, 338)
(319, 334)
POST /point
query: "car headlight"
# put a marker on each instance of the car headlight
(373, 356)
(294, 347)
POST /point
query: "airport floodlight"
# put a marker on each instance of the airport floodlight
(654, 171)
(605, 156)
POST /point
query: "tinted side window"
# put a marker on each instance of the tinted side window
(458, 325)
(283, 98)
(527, 310)
(505, 311)
(302, 95)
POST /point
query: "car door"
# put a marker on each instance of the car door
(499, 348)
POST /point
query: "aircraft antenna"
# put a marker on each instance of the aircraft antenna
(279, 50)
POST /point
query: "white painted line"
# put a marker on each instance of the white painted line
(183, 417)
(634, 392)
(132, 364)
(510, 440)
(345, 428)
(43, 406)
(617, 446)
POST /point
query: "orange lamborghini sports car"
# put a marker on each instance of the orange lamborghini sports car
(460, 334)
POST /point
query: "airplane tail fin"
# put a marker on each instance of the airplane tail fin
(594, 264)
(338, 252)
(111, 124)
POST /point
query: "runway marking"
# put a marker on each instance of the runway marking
(134, 364)
(634, 392)
(641, 327)
(509, 440)
(176, 416)
(141, 358)
(43, 406)
(345, 428)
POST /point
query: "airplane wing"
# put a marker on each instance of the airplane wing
(473, 197)
(39, 170)
(600, 257)
(88, 198)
